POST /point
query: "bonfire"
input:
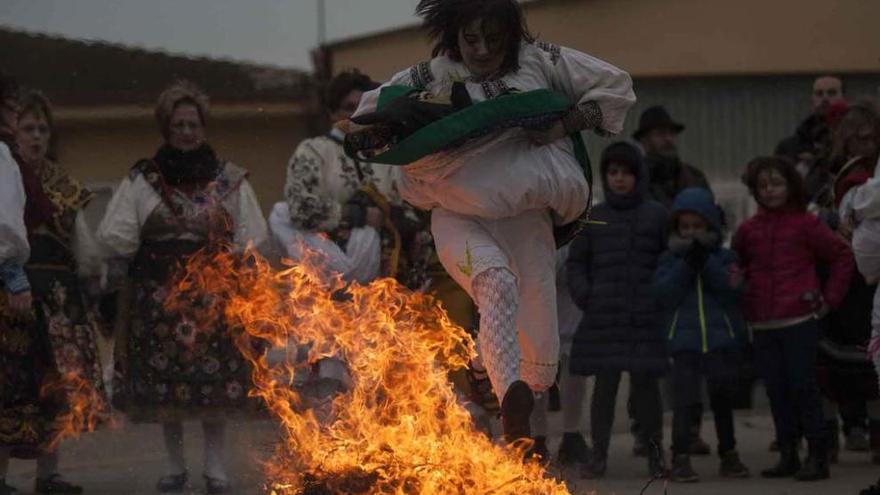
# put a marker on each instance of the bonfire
(400, 428)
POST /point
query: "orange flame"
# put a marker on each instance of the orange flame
(85, 407)
(400, 429)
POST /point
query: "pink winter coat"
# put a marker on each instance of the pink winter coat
(779, 251)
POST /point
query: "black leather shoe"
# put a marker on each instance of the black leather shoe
(54, 484)
(516, 409)
(215, 486)
(172, 483)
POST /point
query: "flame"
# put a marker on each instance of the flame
(400, 429)
(85, 407)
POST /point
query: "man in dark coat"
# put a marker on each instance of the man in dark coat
(669, 175)
(810, 144)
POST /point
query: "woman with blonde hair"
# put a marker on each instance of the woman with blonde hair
(169, 206)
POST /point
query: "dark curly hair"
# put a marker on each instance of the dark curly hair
(344, 83)
(444, 20)
(797, 195)
(862, 114)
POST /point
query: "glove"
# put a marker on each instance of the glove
(697, 256)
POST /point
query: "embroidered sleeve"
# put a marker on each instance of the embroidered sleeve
(583, 116)
(420, 75)
(603, 93)
(309, 210)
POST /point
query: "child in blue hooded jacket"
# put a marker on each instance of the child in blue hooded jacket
(698, 283)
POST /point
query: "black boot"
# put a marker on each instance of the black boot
(789, 463)
(597, 466)
(516, 408)
(573, 449)
(816, 465)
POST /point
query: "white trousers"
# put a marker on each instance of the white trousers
(469, 246)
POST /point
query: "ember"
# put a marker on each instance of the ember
(400, 428)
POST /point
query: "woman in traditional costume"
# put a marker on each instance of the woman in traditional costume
(179, 201)
(54, 343)
(496, 193)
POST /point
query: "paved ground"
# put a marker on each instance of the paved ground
(128, 460)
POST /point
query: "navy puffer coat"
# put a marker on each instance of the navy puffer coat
(610, 272)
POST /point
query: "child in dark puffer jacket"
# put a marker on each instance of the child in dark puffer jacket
(778, 249)
(698, 282)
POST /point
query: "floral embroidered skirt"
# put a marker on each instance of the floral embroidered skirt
(169, 369)
(36, 353)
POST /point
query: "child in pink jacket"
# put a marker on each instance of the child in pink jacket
(779, 248)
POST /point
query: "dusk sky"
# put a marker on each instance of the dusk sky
(278, 32)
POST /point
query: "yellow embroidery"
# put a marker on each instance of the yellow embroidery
(467, 267)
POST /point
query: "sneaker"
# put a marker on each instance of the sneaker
(573, 449)
(732, 466)
(6, 489)
(682, 472)
(172, 483)
(699, 447)
(857, 440)
(595, 468)
(54, 484)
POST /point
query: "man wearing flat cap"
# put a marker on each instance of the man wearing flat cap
(669, 175)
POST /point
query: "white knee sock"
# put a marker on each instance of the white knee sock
(496, 295)
(47, 465)
(539, 415)
(4, 462)
(215, 443)
(173, 433)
